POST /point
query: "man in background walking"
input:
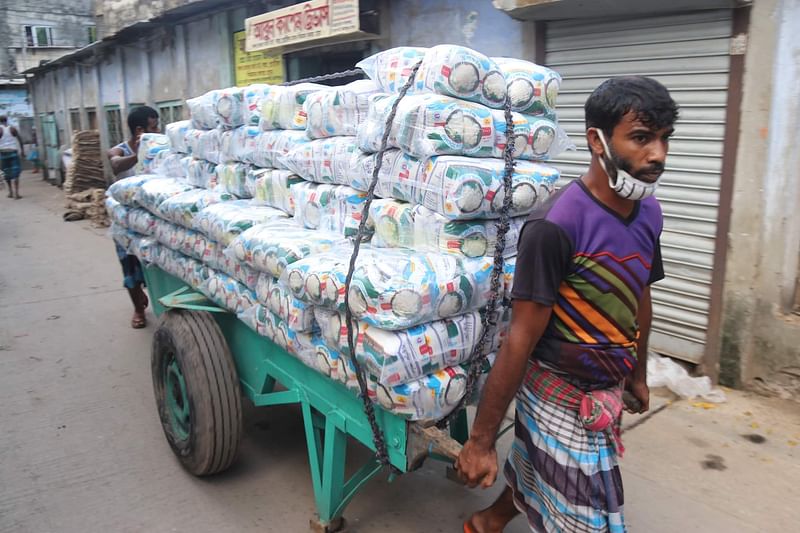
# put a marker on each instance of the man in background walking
(10, 161)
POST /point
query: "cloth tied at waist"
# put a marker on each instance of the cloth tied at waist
(598, 410)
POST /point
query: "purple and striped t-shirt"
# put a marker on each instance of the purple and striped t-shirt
(592, 265)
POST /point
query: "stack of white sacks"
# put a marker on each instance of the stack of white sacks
(255, 202)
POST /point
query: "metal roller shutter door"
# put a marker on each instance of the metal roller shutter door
(689, 54)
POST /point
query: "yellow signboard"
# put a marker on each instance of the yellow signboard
(255, 67)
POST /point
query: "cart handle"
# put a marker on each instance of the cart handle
(424, 442)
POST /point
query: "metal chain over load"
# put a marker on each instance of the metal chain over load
(326, 77)
(369, 408)
(489, 320)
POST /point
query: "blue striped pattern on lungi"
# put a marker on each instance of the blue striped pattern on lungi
(564, 477)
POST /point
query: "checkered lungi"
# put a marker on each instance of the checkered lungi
(564, 477)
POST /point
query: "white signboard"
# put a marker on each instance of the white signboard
(307, 21)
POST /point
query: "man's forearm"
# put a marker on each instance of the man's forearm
(528, 322)
(500, 388)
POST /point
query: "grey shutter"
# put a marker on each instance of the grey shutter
(689, 54)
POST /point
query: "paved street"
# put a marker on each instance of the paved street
(81, 448)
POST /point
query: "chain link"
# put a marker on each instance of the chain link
(377, 435)
(489, 321)
(327, 77)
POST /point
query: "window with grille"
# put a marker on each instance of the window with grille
(170, 111)
(91, 34)
(114, 125)
(75, 119)
(39, 36)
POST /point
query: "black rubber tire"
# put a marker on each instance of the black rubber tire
(212, 387)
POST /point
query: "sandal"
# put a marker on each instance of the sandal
(138, 321)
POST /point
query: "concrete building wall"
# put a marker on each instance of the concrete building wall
(473, 23)
(113, 15)
(761, 335)
(69, 20)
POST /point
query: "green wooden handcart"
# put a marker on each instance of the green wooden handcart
(203, 356)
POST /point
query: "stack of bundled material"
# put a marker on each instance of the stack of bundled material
(272, 192)
(86, 171)
(88, 204)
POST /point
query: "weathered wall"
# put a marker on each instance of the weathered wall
(68, 18)
(113, 15)
(761, 336)
(473, 23)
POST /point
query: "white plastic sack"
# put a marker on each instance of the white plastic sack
(232, 178)
(400, 225)
(458, 188)
(391, 68)
(121, 235)
(396, 357)
(205, 144)
(272, 246)
(273, 146)
(215, 257)
(323, 160)
(252, 96)
(229, 107)
(533, 89)
(264, 322)
(142, 221)
(298, 315)
(463, 73)
(446, 69)
(201, 173)
(146, 249)
(169, 164)
(228, 293)
(333, 208)
(176, 131)
(392, 288)
(282, 106)
(125, 190)
(117, 212)
(272, 187)
(202, 112)
(187, 242)
(427, 125)
(152, 192)
(338, 110)
(240, 145)
(224, 221)
(182, 208)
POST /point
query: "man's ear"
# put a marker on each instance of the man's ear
(594, 142)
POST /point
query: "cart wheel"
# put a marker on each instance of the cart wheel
(197, 391)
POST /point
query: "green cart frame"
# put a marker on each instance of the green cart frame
(331, 412)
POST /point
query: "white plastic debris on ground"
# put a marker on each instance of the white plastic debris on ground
(664, 372)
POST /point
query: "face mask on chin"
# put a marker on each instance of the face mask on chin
(621, 181)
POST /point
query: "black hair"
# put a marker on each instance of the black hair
(3, 119)
(617, 96)
(139, 116)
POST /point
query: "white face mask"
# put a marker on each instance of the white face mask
(625, 185)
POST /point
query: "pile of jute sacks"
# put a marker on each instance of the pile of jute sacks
(256, 200)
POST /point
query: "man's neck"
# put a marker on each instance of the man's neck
(596, 180)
